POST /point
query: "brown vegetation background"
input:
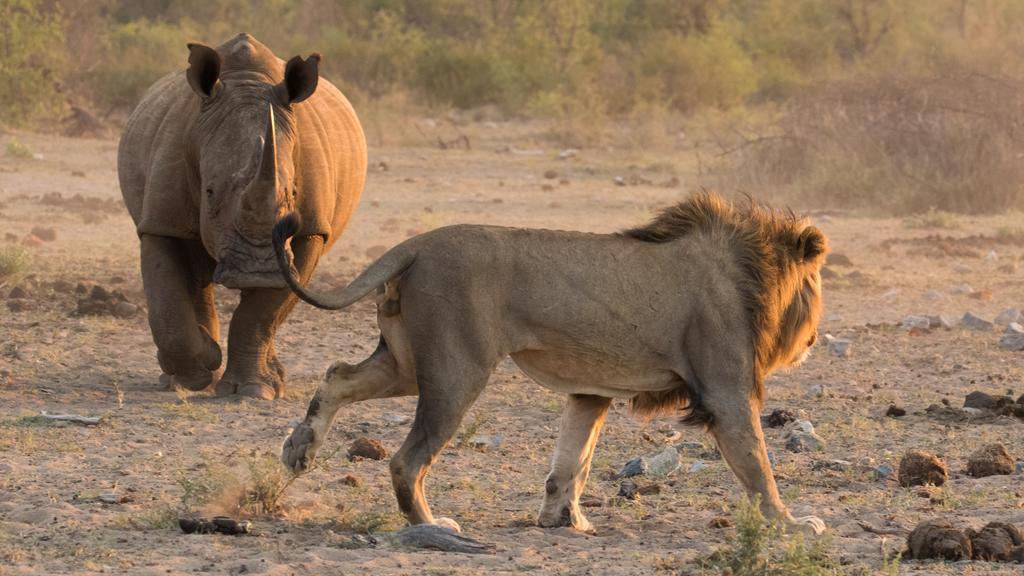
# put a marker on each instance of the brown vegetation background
(885, 105)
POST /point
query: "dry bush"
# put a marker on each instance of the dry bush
(891, 143)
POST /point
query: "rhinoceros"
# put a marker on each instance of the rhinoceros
(208, 161)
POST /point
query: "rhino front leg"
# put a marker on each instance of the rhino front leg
(253, 368)
(176, 278)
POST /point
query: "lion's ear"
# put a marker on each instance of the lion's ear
(811, 245)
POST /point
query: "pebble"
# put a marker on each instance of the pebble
(629, 490)
(941, 321)
(801, 438)
(698, 466)
(396, 419)
(1019, 468)
(975, 322)
(1012, 341)
(664, 463)
(838, 347)
(634, 467)
(836, 465)
(895, 411)
(1008, 316)
(918, 322)
(883, 472)
(487, 442)
(933, 295)
(816, 390)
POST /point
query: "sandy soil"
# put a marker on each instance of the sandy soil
(161, 452)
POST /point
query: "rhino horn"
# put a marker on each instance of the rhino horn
(260, 202)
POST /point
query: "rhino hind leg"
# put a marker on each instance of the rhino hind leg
(182, 316)
(253, 369)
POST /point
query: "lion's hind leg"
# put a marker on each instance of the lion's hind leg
(581, 424)
(379, 376)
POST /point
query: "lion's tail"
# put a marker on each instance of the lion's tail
(391, 264)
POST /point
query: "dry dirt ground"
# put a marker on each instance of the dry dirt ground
(161, 453)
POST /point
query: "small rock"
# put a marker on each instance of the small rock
(111, 498)
(837, 259)
(933, 295)
(883, 472)
(567, 153)
(778, 418)
(771, 458)
(895, 411)
(838, 347)
(990, 460)
(125, 309)
(801, 438)
(367, 448)
(663, 463)
(396, 419)
(698, 466)
(1012, 341)
(834, 465)
(629, 490)
(481, 441)
(962, 289)
(619, 181)
(974, 322)
(916, 322)
(350, 480)
(816, 390)
(17, 292)
(1019, 468)
(44, 234)
(720, 522)
(375, 252)
(918, 468)
(634, 467)
(938, 539)
(941, 321)
(961, 268)
(891, 294)
(688, 446)
(550, 175)
(1007, 317)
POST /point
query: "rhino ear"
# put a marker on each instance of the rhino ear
(203, 69)
(300, 78)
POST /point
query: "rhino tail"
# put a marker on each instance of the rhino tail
(388, 266)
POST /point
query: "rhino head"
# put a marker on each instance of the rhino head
(244, 148)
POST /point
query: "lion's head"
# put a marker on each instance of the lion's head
(780, 256)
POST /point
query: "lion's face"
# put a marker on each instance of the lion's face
(799, 328)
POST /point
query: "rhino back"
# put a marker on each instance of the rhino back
(330, 161)
(152, 164)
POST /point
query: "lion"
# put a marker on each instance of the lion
(689, 313)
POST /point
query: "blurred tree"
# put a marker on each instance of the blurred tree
(32, 61)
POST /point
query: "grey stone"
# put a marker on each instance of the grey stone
(698, 466)
(838, 347)
(663, 463)
(883, 472)
(488, 442)
(941, 321)
(801, 442)
(836, 465)
(1008, 316)
(816, 390)
(918, 322)
(1012, 341)
(975, 322)
(634, 467)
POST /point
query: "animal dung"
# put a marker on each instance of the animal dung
(990, 460)
(918, 468)
(938, 538)
(218, 525)
(367, 448)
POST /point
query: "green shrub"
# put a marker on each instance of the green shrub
(14, 262)
(456, 75)
(32, 61)
(16, 149)
(135, 55)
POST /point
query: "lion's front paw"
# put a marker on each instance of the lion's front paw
(298, 450)
(811, 525)
(448, 523)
